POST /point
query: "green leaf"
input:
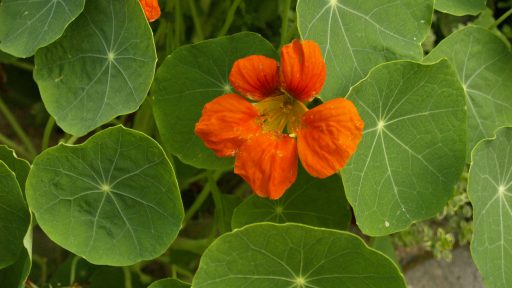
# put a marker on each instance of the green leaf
(229, 204)
(109, 277)
(356, 35)
(310, 201)
(490, 192)
(16, 274)
(113, 200)
(26, 26)
(14, 217)
(460, 7)
(293, 255)
(484, 66)
(100, 68)
(19, 166)
(169, 283)
(189, 78)
(413, 146)
(384, 244)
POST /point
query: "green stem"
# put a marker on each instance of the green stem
(217, 199)
(17, 128)
(71, 140)
(13, 145)
(22, 65)
(47, 133)
(197, 204)
(178, 24)
(72, 274)
(127, 277)
(501, 19)
(284, 23)
(143, 121)
(229, 18)
(193, 179)
(195, 18)
(196, 246)
(183, 271)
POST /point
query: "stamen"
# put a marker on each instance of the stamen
(280, 112)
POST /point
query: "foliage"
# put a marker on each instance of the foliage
(104, 183)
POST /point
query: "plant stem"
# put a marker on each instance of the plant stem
(178, 22)
(196, 246)
(47, 132)
(284, 23)
(17, 128)
(195, 18)
(197, 204)
(217, 199)
(229, 18)
(72, 274)
(143, 121)
(13, 145)
(22, 65)
(501, 19)
(127, 277)
(193, 179)
(71, 140)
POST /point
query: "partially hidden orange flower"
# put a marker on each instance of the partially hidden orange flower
(268, 137)
(151, 9)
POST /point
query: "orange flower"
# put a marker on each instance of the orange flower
(151, 9)
(269, 136)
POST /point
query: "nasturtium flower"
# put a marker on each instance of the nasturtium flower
(269, 135)
(151, 9)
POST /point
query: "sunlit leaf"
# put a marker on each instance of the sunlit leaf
(484, 66)
(169, 283)
(19, 166)
(25, 26)
(413, 146)
(356, 35)
(490, 192)
(16, 274)
(189, 78)
(293, 255)
(113, 200)
(100, 68)
(14, 217)
(311, 201)
(460, 7)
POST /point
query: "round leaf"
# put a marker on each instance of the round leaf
(189, 78)
(490, 192)
(100, 68)
(356, 35)
(16, 274)
(413, 146)
(113, 200)
(460, 7)
(292, 255)
(310, 201)
(485, 77)
(14, 217)
(25, 26)
(20, 167)
(169, 283)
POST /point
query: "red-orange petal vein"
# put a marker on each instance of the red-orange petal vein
(328, 136)
(226, 123)
(303, 69)
(255, 77)
(268, 162)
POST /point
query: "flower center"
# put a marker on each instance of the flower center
(280, 112)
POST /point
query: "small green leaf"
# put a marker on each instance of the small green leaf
(113, 200)
(16, 274)
(19, 166)
(14, 217)
(189, 78)
(413, 146)
(293, 255)
(356, 35)
(490, 192)
(460, 7)
(169, 283)
(310, 201)
(384, 244)
(484, 66)
(25, 26)
(100, 68)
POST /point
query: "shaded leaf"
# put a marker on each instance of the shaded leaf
(460, 7)
(169, 283)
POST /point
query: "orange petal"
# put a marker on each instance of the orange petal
(268, 162)
(151, 9)
(256, 77)
(226, 123)
(302, 69)
(328, 136)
